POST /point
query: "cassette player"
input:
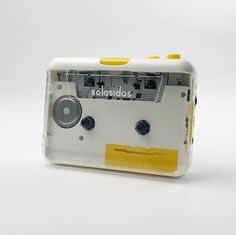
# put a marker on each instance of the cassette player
(122, 114)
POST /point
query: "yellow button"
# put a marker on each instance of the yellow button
(154, 57)
(173, 56)
(114, 61)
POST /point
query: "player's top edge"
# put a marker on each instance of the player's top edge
(151, 64)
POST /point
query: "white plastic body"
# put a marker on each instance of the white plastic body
(115, 119)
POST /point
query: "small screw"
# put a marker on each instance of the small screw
(81, 138)
(183, 94)
(59, 86)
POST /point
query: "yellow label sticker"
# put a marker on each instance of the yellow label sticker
(150, 159)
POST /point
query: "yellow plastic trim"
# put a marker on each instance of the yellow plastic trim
(173, 56)
(114, 61)
(154, 57)
(192, 121)
(149, 159)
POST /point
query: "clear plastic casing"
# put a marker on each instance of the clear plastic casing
(121, 114)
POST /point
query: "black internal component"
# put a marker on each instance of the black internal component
(136, 85)
(89, 81)
(150, 84)
(100, 84)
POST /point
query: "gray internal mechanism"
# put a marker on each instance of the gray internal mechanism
(67, 111)
(122, 85)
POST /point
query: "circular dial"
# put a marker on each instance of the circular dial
(67, 111)
(88, 123)
(142, 127)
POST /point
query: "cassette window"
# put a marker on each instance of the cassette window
(121, 85)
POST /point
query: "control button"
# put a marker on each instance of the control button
(114, 61)
(173, 56)
(88, 123)
(154, 57)
(142, 127)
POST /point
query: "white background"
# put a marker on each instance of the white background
(39, 198)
